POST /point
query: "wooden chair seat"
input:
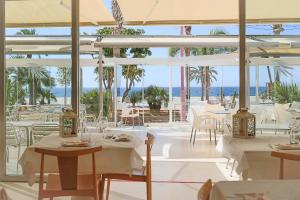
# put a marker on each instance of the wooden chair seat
(84, 182)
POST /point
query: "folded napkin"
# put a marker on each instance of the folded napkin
(287, 146)
(75, 144)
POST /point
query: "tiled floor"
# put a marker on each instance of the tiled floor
(179, 168)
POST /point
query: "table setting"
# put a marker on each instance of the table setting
(254, 155)
(256, 190)
(119, 154)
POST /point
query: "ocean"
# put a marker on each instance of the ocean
(195, 91)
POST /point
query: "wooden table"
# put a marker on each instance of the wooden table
(269, 189)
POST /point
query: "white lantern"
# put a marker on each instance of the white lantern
(243, 124)
(68, 124)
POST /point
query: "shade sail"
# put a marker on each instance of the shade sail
(158, 12)
(32, 13)
(47, 45)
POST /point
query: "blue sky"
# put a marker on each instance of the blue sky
(159, 75)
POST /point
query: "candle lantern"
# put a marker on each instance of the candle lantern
(68, 123)
(243, 124)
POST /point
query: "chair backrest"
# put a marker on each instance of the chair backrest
(149, 143)
(67, 164)
(3, 194)
(204, 191)
(41, 130)
(284, 156)
(283, 116)
(11, 134)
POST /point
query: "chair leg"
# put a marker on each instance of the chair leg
(228, 160)
(101, 189)
(7, 154)
(215, 136)
(210, 135)
(195, 134)
(19, 150)
(191, 135)
(107, 188)
(233, 164)
(149, 190)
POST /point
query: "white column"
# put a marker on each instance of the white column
(170, 94)
(2, 89)
(257, 84)
(247, 76)
(143, 95)
(116, 53)
(75, 56)
(100, 79)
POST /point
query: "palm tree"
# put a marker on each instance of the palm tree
(132, 74)
(209, 72)
(280, 69)
(64, 78)
(38, 80)
(197, 74)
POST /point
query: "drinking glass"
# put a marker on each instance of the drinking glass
(103, 124)
(85, 137)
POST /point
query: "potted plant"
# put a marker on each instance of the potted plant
(135, 97)
(155, 97)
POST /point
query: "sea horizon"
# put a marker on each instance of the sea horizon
(194, 91)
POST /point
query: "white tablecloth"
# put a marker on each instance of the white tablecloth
(254, 157)
(271, 190)
(115, 157)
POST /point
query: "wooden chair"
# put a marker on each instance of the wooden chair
(139, 176)
(284, 156)
(67, 182)
(203, 193)
(3, 195)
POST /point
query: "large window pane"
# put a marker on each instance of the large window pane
(37, 75)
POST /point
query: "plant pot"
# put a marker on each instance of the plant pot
(154, 106)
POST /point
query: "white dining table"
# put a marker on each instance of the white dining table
(253, 156)
(115, 157)
(253, 190)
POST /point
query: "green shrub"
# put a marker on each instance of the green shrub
(135, 97)
(286, 93)
(155, 97)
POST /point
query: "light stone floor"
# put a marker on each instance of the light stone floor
(179, 168)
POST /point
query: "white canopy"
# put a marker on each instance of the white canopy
(28, 13)
(157, 12)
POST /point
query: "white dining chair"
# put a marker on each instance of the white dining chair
(282, 115)
(204, 122)
(14, 138)
(129, 113)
